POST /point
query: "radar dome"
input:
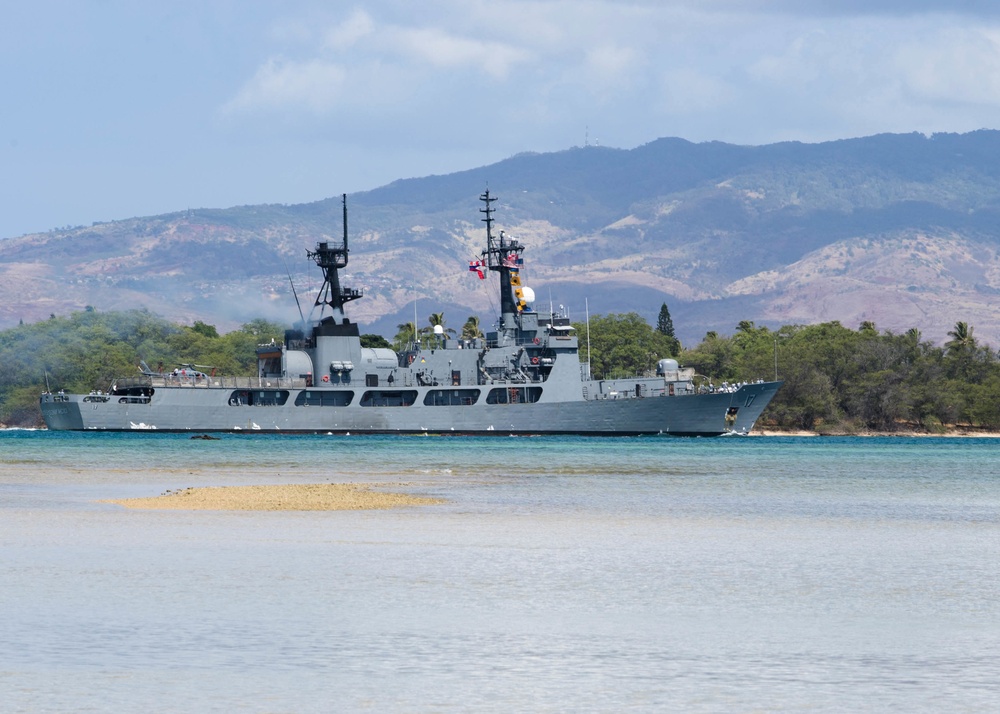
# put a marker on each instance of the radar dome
(438, 329)
(529, 295)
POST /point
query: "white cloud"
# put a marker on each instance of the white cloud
(690, 91)
(849, 8)
(954, 65)
(343, 36)
(613, 65)
(440, 49)
(633, 70)
(361, 62)
(801, 62)
(314, 85)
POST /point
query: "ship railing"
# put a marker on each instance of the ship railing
(211, 382)
(640, 386)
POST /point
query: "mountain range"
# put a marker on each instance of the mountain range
(902, 230)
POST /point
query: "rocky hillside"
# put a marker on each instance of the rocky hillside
(901, 230)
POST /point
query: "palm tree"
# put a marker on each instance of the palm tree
(436, 319)
(407, 334)
(911, 343)
(471, 330)
(961, 338)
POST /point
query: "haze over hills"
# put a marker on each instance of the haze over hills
(901, 230)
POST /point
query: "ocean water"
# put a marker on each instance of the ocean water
(650, 574)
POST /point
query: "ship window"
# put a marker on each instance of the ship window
(141, 391)
(371, 380)
(132, 400)
(389, 398)
(451, 397)
(258, 397)
(324, 398)
(514, 395)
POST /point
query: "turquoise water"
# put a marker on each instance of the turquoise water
(731, 574)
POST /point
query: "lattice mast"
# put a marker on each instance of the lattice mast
(502, 255)
(331, 258)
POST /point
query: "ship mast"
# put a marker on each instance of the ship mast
(331, 258)
(502, 255)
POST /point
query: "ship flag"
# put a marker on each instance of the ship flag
(476, 266)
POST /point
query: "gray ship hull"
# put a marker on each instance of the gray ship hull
(208, 409)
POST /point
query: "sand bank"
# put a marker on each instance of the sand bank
(297, 497)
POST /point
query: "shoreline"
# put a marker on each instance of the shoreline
(948, 434)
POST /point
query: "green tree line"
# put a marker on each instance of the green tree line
(835, 378)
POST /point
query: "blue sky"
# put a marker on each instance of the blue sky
(112, 109)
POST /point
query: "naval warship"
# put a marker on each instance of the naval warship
(523, 378)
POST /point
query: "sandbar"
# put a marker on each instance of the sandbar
(288, 497)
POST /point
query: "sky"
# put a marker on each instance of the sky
(111, 109)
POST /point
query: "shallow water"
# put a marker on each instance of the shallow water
(562, 574)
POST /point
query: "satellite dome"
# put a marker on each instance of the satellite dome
(529, 295)
(438, 329)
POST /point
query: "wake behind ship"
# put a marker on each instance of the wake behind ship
(523, 378)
